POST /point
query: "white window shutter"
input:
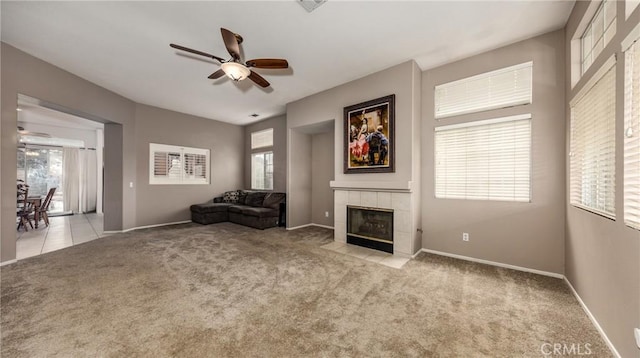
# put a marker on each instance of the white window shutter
(262, 139)
(632, 137)
(170, 164)
(592, 145)
(484, 160)
(506, 87)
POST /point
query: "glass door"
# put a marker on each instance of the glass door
(41, 168)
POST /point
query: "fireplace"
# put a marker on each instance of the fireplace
(370, 227)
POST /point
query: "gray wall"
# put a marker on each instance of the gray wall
(22, 73)
(159, 204)
(602, 255)
(279, 125)
(523, 234)
(299, 179)
(329, 105)
(322, 156)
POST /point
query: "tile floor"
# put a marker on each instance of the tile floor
(63, 231)
(376, 256)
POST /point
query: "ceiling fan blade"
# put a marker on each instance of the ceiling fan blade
(273, 63)
(259, 80)
(182, 48)
(219, 73)
(231, 43)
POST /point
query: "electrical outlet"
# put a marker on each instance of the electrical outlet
(326, 214)
(465, 236)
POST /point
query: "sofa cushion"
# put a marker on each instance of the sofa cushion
(210, 208)
(230, 197)
(236, 208)
(242, 197)
(255, 198)
(273, 200)
(259, 212)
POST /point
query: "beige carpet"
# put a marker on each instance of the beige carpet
(228, 291)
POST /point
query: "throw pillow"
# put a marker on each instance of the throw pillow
(230, 197)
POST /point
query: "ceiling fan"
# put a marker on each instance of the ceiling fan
(24, 132)
(233, 67)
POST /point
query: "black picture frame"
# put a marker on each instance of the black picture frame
(369, 136)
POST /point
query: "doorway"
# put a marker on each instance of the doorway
(62, 151)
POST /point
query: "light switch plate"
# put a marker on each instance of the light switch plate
(636, 332)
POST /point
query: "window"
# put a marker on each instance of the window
(592, 144)
(484, 160)
(632, 137)
(598, 34)
(630, 5)
(262, 139)
(262, 171)
(170, 164)
(502, 88)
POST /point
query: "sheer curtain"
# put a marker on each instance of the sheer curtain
(79, 180)
(88, 180)
(70, 179)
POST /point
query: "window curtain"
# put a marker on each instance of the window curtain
(70, 179)
(88, 191)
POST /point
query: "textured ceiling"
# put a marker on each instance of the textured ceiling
(124, 46)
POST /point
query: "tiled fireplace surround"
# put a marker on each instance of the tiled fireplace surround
(402, 207)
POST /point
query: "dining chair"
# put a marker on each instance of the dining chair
(24, 209)
(44, 208)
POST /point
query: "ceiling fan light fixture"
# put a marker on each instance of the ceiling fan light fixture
(235, 71)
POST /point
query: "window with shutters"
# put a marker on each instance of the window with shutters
(506, 87)
(632, 137)
(170, 164)
(262, 171)
(484, 160)
(592, 144)
(598, 33)
(262, 139)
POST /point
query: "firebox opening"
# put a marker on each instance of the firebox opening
(370, 227)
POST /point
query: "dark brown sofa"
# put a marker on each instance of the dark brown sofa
(257, 209)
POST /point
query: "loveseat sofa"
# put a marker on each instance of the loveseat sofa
(257, 209)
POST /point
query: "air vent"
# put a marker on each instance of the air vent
(311, 5)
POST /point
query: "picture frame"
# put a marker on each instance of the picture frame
(369, 136)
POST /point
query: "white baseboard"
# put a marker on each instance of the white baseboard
(324, 226)
(9, 262)
(307, 225)
(593, 320)
(494, 263)
(145, 227)
(298, 227)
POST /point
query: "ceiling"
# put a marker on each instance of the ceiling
(124, 46)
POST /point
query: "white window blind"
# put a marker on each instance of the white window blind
(171, 164)
(484, 160)
(262, 171)
(632, 137)
(262, 139)
(598, 33)
(506, 87)
(592, 144)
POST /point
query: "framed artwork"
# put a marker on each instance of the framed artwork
(369, 141)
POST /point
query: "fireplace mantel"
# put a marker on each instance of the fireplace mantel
(405, 187)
